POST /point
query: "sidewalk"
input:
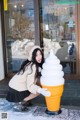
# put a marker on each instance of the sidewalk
(37, 113)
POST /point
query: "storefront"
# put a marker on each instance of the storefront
(49, 23)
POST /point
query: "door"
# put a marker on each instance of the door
(59, 31)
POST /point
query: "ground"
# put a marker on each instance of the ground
(37, 113)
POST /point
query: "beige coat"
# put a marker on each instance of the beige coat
(25, 81)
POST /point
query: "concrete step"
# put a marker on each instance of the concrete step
(71, 93)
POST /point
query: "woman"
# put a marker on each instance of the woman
(24, 85)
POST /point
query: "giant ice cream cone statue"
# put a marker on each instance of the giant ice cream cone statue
(52, 79)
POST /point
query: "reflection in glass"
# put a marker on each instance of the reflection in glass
(59, 32)
(19, 31)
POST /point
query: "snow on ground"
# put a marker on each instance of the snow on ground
(36, 113)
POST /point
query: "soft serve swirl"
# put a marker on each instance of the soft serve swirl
(52, 74)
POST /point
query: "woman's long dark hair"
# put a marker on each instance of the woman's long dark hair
(33, 61)
(23, 66)
(37, 74)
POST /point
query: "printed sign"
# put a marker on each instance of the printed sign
(5, 5)
(68, 2)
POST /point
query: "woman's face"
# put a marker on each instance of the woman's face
(38, 57)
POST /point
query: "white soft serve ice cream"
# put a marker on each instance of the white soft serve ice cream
(52, 74)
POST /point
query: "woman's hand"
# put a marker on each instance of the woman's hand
(44, 92)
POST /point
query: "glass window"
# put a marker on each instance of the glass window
(19, 25)
(58, 18)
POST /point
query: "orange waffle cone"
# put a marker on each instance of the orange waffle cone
(53, 102)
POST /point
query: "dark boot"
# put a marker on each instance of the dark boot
(24, 108)
(20, 108)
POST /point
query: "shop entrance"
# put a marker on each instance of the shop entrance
(59, 28)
